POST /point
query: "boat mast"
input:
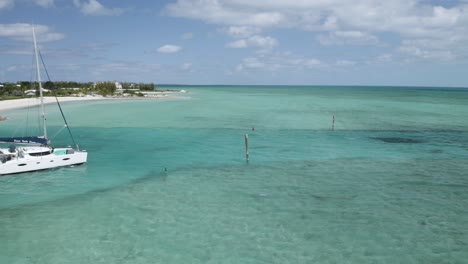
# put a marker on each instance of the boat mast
(40, 84)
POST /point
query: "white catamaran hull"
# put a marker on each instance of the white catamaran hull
(60, 157)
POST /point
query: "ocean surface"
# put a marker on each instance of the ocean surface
(167, 180)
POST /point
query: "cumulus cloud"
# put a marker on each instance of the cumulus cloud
(359, 22)
(348, 38)
(254, 41)
(186, 36)
(279, 61)
(238, 44)
(421, 52)
(253, 63)
(169, 49)
(241, 31)
(345, 63)
(117, 70)
(385, 57)
(12, 68)
(310, 63)
(23, 32)
(186, 66)
(402, 16)
(44, 3)
(94, 8)
(6, 4)
(221, 12)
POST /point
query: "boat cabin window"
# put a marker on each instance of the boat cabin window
(40, 153)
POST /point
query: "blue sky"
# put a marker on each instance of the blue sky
(303, 42)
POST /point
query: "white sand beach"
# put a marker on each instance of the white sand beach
(25, 102)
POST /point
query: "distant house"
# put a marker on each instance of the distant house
(33, 92)
(118, 86)
(73, 88)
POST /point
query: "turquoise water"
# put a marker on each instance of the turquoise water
(167, 180)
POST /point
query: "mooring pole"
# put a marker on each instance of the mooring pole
(333, 123)
(247, 147)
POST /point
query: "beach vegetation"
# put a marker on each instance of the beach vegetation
(9, 90)
(25, 89)
(105, 88)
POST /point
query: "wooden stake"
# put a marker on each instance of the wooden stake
(247, 147)
(333, 123)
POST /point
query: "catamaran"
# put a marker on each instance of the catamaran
(33, 153)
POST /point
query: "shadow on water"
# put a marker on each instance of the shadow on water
(399, 140)
(152, 175)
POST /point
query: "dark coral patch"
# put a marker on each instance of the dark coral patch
(399, 140)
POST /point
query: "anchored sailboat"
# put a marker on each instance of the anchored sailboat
(33, 153)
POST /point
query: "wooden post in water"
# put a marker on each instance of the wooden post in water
(247, 147)
(333, 123)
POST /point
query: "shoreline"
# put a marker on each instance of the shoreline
(6, 105)
(26, 102)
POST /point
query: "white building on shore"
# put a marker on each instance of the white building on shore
(118, 86)
(33, 92)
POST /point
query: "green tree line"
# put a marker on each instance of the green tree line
(62, 88)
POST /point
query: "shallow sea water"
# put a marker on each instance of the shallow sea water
(167, 181)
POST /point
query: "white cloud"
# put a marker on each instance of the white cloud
(169, 49)
(242, 31)
(115, 67)
(263, 42)
(23, 32)
(238, 44)
(94, 8)
(252, 63)
(359, 22)
(44, 3)
(385, 57)
(345, 63)
(279, 61)
(186, 66)
(348, 38)
(117, 70)
(217, 12)
(12, 68)
(254, 41)
(6, 4)
(186, 36)
(417, 52)
(239, 68)
(311, 63)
